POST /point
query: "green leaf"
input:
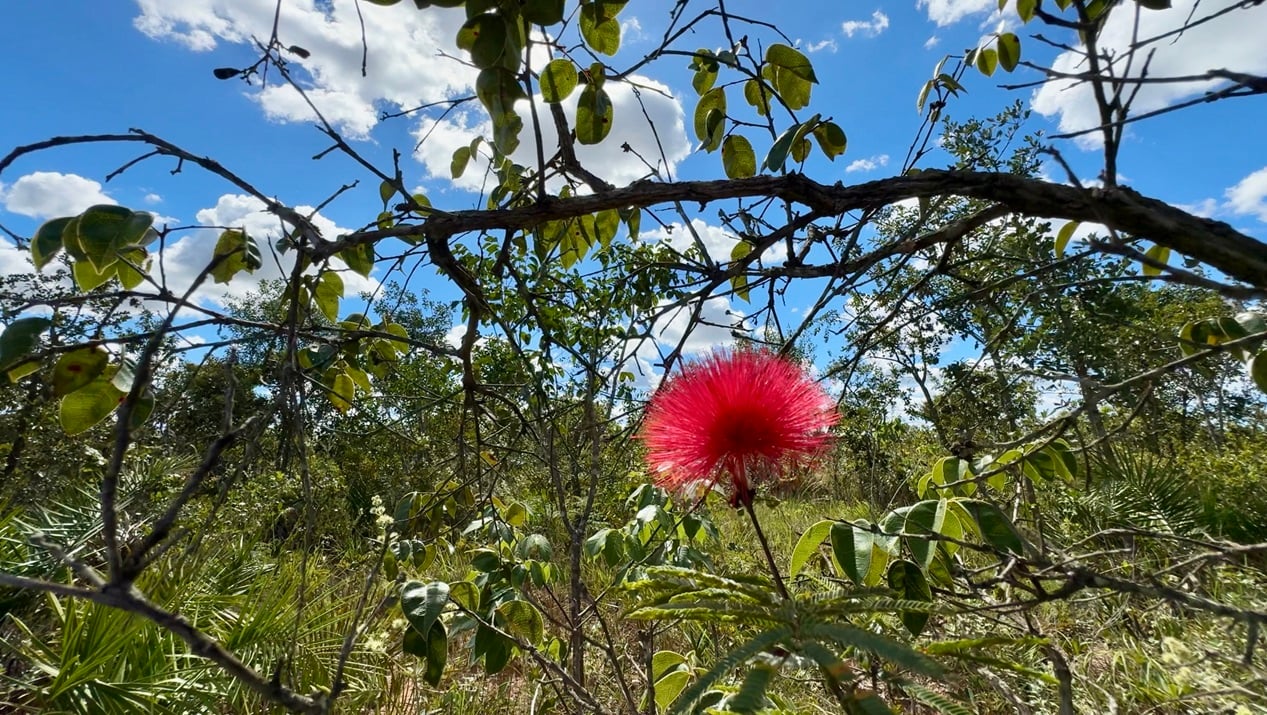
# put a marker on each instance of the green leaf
(714, 129)
(669, 687)
(88, 277)
(1026, 8)
(465, 594)
(758, 96)
(1257, 369)
(599, 26)
(1160, 254)
(739, 284)
(328, 292)
(1063, 236)
(47, 241)
(558, 79)
(908, 580)
(724, 665)
(385, 192)
(494, 647)
(422, 603)
(751, 696)
(522, 619)
(484, 36)
(20, 338)
(82, 409)
(986, 60)
(437, 652)
(235, 251)
(663, 661)
(498, 89)
(808, 544)
(141, 409)
(104, 230)
(994, 526)
(461, 157)
(787, 59)
(949, 470)
(593, 115)
(359, 258)
(853, 637)
(831, 139)
(77, 369)
(852, 548)
(792, 89)
(1009, 51)
(713, 102)
(342, 389)
(542, 12)
(926, 517)
(777, 156)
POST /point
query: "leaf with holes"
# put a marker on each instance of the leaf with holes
(522, 619)
(484, 36)
(593, 115)
(599, 26)
(558, 79)
(78, 368)
(831, 139)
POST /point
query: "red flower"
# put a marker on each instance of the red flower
(743, 415)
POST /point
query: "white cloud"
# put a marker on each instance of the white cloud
(48, 194)
(719, 242)
(152, 199)
(1249, 196)
(184, 259)
(14, 260)
(1233, 41)
(868, 164)
(403, 68)
(878, 23)
(438, 140)
(931, 42)
(829, 45)
(948, 12)
(630, 30)
(713, 328)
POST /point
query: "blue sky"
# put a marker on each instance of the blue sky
(79, 67)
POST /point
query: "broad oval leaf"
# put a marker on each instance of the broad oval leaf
(593, 115)
(77, 369)
(422, 603)
(558, 79)
(852, 548)
(908, 580)
(82, 409)
(808, 544)
(1009, 51)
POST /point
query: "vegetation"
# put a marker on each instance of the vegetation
(323, 505)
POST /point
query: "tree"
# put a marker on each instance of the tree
(561, 298)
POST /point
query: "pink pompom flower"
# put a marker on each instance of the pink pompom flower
(742, 416)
